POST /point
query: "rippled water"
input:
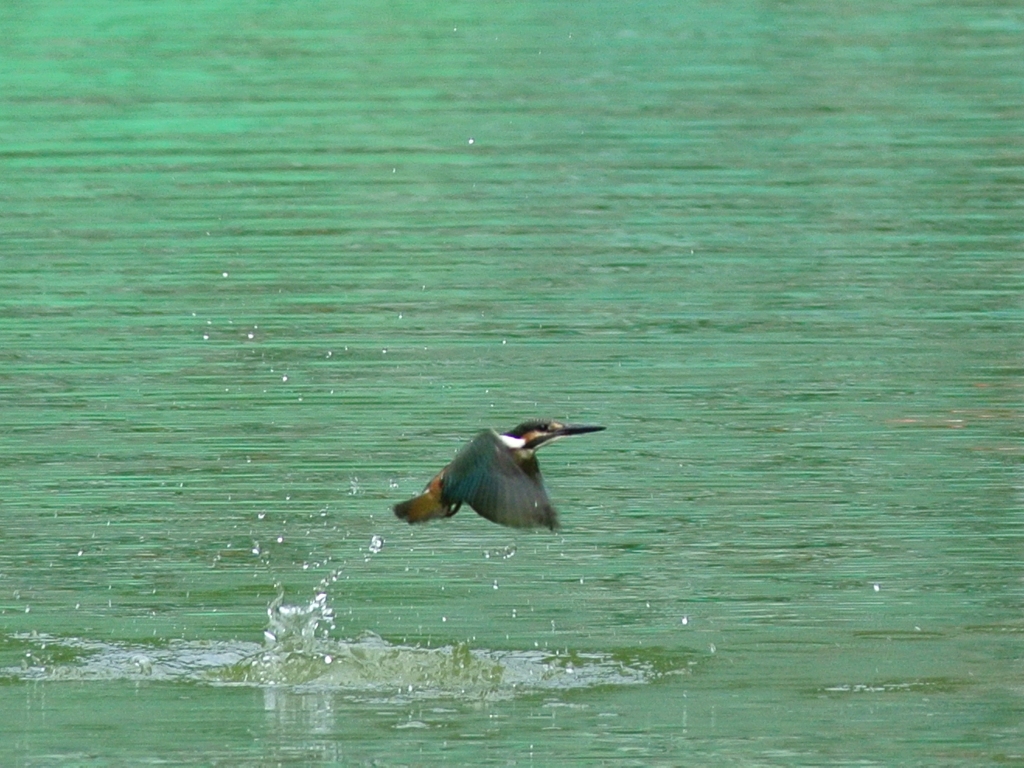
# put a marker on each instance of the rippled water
(264, 269)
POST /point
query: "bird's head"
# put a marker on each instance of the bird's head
(537, 432)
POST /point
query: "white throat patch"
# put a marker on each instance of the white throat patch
(512, 442)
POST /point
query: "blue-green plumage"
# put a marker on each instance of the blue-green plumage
(498, 476)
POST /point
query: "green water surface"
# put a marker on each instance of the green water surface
(264, 267)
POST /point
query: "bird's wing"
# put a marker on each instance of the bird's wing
(486, 476)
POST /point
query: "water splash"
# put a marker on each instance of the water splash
(296, 627)
(299, 652)
(505, 553)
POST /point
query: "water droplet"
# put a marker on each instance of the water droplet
(376, 543)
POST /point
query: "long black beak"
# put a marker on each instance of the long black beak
(577, 429)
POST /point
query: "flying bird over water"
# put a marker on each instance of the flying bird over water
(498, 476)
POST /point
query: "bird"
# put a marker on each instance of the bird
(498, 476)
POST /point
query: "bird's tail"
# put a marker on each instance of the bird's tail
(426, 506)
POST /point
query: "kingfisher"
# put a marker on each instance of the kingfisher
(498, 476)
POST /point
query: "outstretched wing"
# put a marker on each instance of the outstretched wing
(485, 475)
